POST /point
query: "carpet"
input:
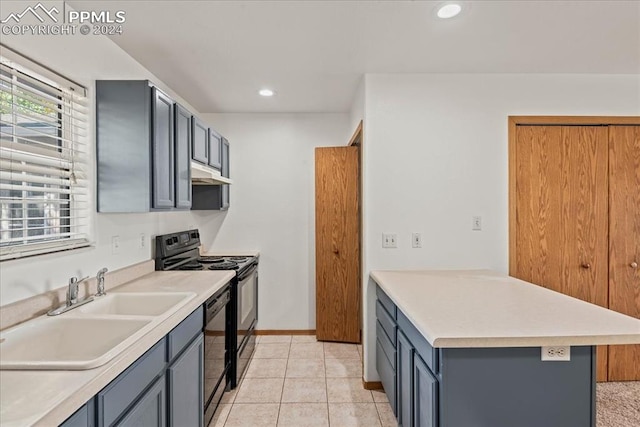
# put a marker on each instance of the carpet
(618, 404)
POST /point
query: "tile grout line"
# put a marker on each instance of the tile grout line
(326, 384)
(283, 380)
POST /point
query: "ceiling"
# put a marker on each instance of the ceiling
(217, 54)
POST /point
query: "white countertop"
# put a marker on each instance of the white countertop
(47, 398)
(479, 308)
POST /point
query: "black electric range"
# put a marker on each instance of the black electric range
(181, 251)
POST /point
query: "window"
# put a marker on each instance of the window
(44, 201)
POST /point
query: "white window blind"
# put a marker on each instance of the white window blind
(44, 200)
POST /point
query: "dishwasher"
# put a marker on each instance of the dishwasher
(217, 358)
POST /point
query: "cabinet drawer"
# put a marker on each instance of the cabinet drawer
(115, 398)
(387, 375)
(386, 321)
(421, 345)
(386, 302)
(184, 333)
(388, 348)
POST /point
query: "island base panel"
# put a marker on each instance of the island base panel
(506, 387)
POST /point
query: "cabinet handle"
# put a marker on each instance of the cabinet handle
(586, 265)
(633, 265)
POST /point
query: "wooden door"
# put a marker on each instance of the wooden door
(624, 242)
(561, 212)
(338, 244)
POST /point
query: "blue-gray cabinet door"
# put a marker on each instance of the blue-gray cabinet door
(200, 145)
(225, 172)
(425, 395)
(183, 141)
(150, 410)
(83, 417)
(404, 377)
(186, 381)
(215, 149)
(163, 169)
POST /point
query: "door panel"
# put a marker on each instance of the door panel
(561, 212)
(404, 377)
(338, 244)
(163, 152)
(183, 157)
(624, 242)
(425, 391)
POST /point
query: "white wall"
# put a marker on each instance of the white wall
(272, 205)
(86, 59)
(436, 155)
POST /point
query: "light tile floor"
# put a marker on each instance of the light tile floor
(298, 381)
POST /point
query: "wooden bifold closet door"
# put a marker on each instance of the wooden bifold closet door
(624, 242)
(576, 221)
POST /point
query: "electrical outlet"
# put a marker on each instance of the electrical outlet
(416, 240)
(476, 225)
(389, 240)
(142, 241)
(560, 353)
(115, 245)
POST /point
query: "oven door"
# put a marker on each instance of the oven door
(247, 305)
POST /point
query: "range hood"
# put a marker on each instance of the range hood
(204, 175)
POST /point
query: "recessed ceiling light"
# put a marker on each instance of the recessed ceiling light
(266, 92)
(449, 10)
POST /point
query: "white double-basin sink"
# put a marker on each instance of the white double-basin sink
(87, 336)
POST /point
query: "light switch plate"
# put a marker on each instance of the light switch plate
(389, 240)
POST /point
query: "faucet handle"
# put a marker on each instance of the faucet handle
(72, 291)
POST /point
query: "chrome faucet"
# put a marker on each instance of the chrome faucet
(100, 279)
(72, 297)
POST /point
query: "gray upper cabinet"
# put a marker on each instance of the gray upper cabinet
(215, 149)
(136, 149)
(184, 138)
(214, 197)
(163, 162)
(200, 145)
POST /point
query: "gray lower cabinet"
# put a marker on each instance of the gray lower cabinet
(83, 417)
(140, 165)
(479, 387)
(163, 387)
(425, 392)
(404, 375)
(150, 410)
(186, 394)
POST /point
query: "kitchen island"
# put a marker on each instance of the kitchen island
(464, 348)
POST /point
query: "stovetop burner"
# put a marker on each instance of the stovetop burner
(191, 266)
(225, 265)
(210, 259)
